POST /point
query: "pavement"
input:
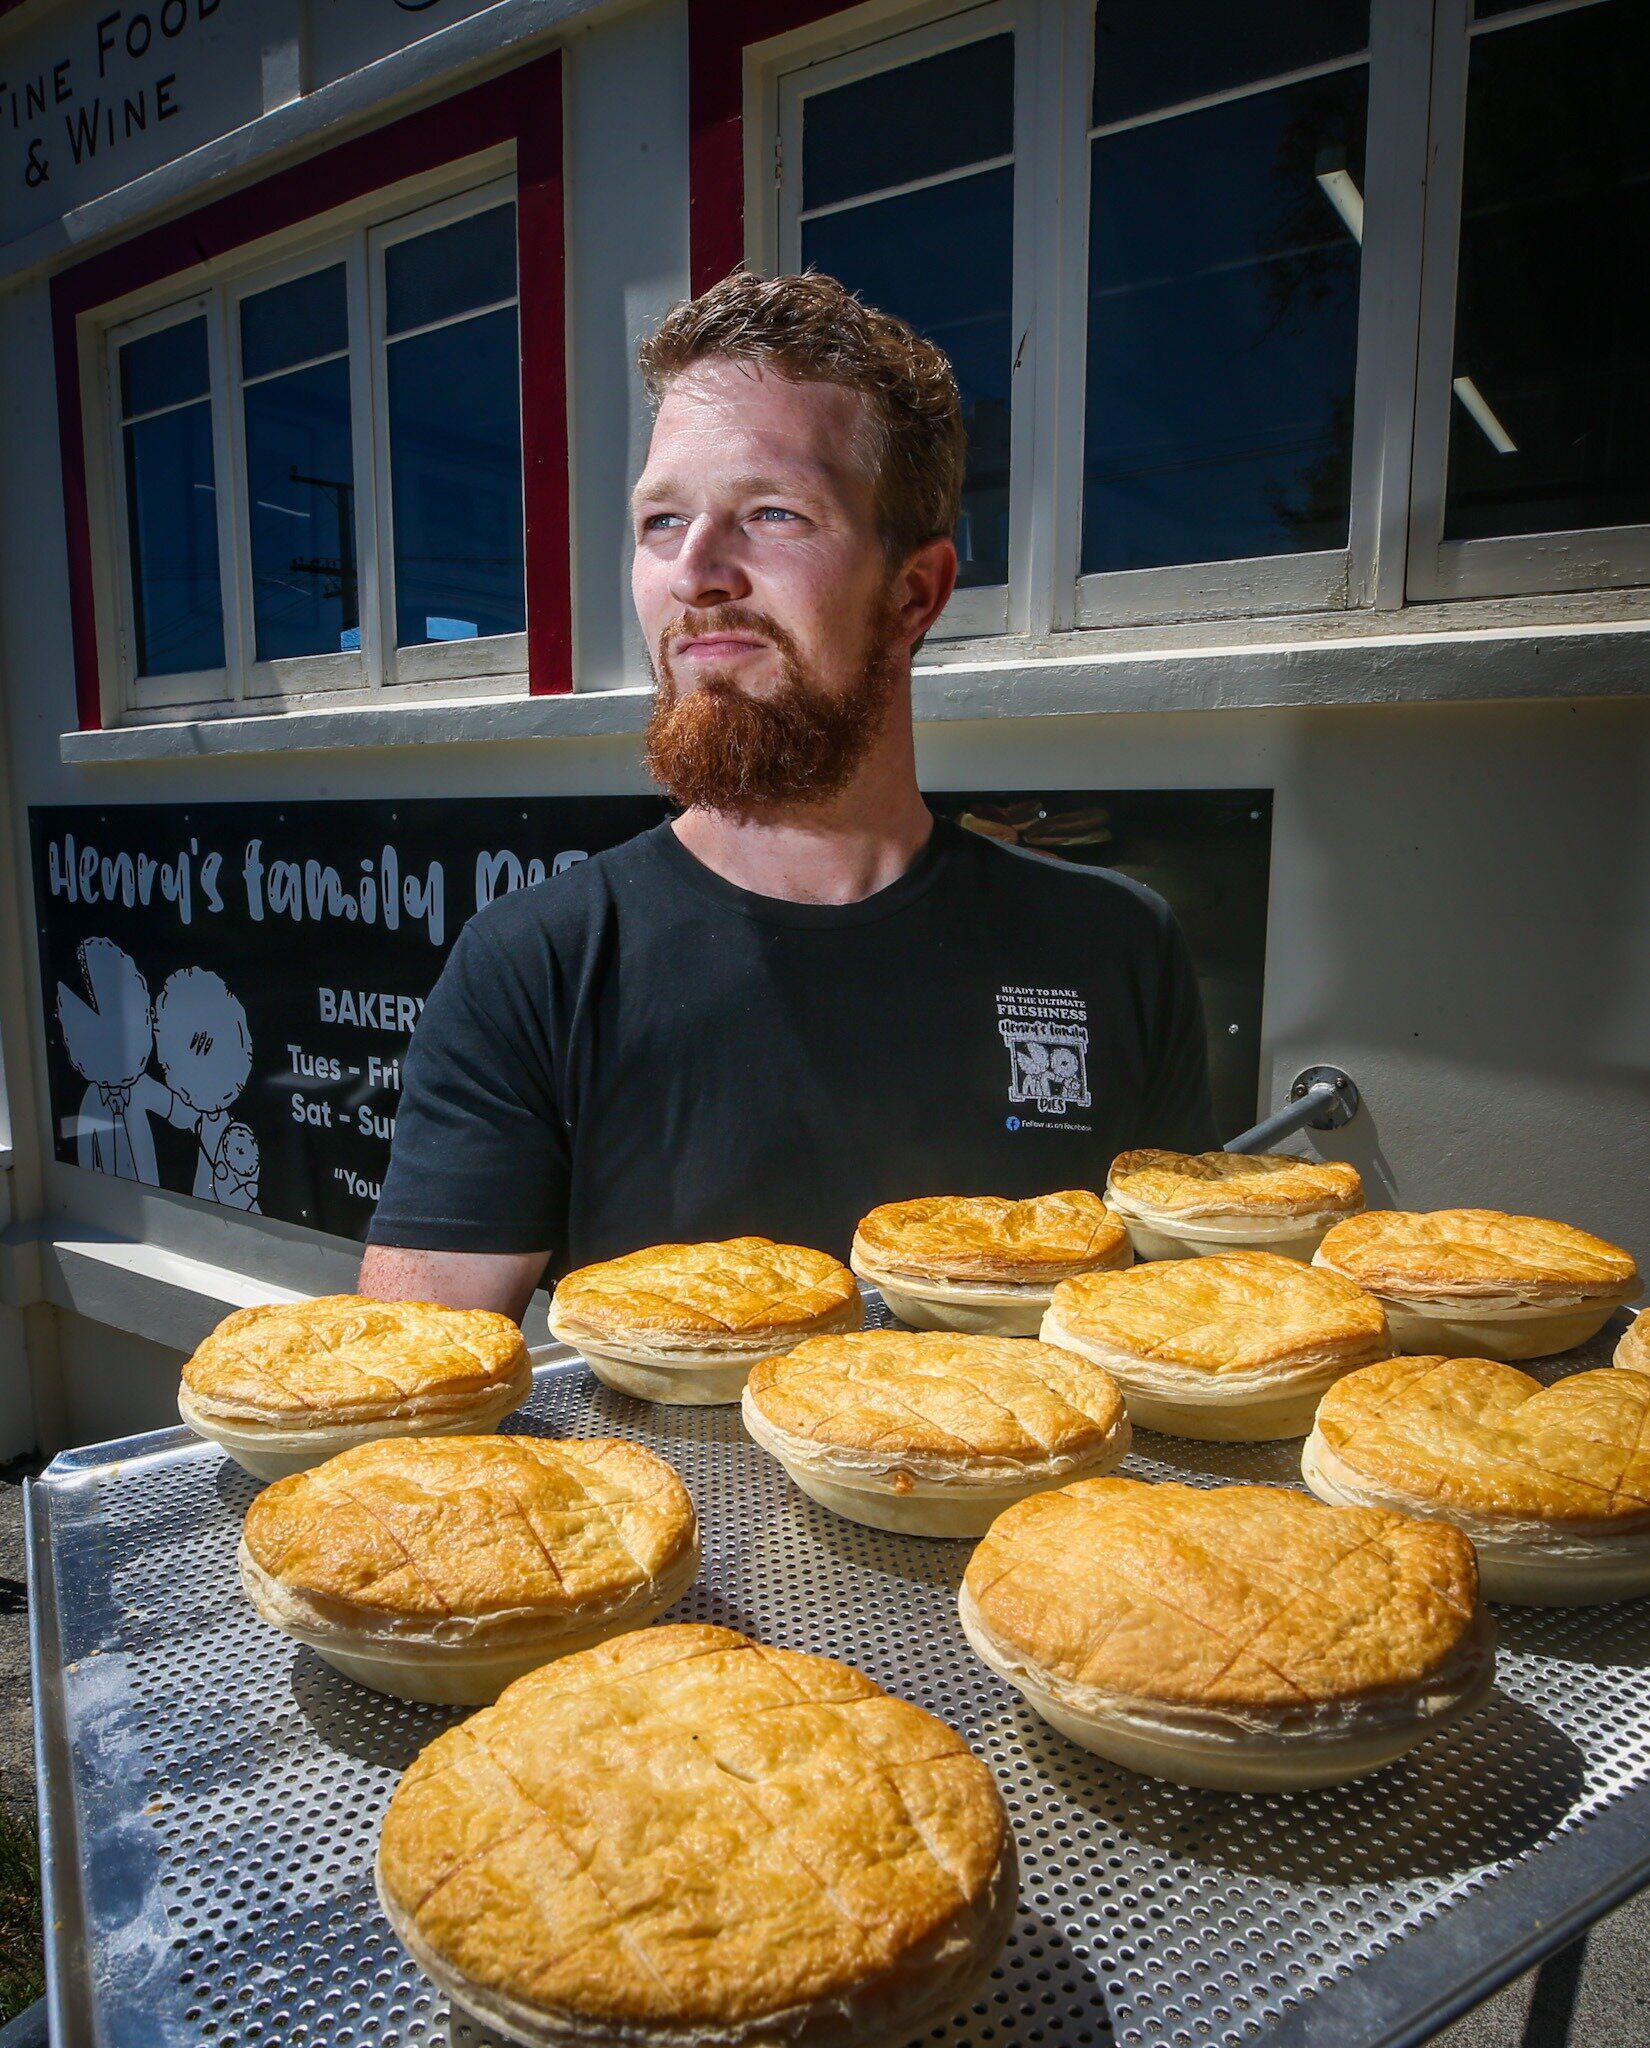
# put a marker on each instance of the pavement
(1594, 1994)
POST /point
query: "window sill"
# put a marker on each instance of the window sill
(983, 679)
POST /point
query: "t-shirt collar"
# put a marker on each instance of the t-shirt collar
(899, 894)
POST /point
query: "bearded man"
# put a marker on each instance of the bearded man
(803, 995)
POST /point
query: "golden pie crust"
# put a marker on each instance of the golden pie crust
(1225, 1184)
(684, 1836)
(462, 1557)
(1237, 1346)
(931, 1433)
(1634, 1349)
(1552, 1483)
(986, 1237)
(744, 1290)
(1477, 1282)
(284, 1385)
(1244, 1636)
(684, 1323)
(1473, 1255)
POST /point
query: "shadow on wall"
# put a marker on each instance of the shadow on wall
(1460, 916)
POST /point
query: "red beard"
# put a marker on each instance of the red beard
(718, 749)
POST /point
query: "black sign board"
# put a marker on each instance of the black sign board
(230, 989)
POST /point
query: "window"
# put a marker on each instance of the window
(1226, 174)
(903, 187)
(318, 468)
(1254, 310)
(1539, 425)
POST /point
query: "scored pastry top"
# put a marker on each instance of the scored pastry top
(445, 1527)
(987, 1237)
(686, 1829)
(1460, 1254)
(1634, 1348)
(1227, 1596)
(1234, 1312)
(1471, 1434)
(1220, 1183)
(934, 1395)
(343, 1357)
(741, 1286)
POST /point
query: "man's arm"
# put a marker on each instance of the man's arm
(497, 1280)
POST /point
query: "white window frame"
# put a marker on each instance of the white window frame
(1053, 69)
(985, 608)
(356, 236)
(1584, 558)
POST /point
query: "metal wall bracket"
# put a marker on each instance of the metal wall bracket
(1320, 1099)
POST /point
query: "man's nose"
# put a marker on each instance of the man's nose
(707, 569)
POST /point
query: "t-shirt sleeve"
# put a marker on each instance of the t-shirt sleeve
(1178, 1110)
(480, 1159)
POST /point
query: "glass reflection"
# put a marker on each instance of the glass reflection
(172, 518)
(1150, 55)
(450, 270)
(1223, 317)
(301, 486)
(171, 501)
(940, 114)
(455, 470)
(1550, 420)
(943, 259)
(294, 323)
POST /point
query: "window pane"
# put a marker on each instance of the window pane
(172, 514)
(1552, 323)
(167, 367)
(1223, 318)
(936, 115)
(451, 270)
(1147, 54)
(942, 259)
(455, 481)
(294, 323)
(300, 477)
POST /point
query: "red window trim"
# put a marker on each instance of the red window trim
(523, 106)
(719, 33)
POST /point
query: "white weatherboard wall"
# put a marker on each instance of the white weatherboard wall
(1460, 907)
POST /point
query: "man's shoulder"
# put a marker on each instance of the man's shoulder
(1042, 878)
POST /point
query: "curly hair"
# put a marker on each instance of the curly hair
(814, 330)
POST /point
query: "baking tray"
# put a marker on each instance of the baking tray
(211, 1792)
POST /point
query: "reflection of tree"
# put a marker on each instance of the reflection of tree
(1313, 502)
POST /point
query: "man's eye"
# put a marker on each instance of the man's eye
(655, 520)
(775, 512)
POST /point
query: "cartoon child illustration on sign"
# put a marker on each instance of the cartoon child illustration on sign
(205, 1052)
(235, 1171)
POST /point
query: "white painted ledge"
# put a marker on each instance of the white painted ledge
(1464, 665)
(154, 1293)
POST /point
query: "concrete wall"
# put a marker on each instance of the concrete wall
(1461, 892)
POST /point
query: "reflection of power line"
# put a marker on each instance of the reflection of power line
(341, 570)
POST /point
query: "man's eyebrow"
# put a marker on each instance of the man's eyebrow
(751, 484)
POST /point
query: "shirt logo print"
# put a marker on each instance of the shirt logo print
(1045, 1032)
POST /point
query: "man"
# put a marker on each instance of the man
(804, 995)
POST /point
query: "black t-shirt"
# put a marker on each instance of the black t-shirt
(637, 1052)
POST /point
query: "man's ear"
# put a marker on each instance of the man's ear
(923, 588)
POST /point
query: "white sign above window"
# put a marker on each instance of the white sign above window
(96, 94)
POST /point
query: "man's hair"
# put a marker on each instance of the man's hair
(813, 330)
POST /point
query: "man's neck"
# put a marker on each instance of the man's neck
(836, 852)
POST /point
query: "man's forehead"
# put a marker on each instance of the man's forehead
(749, 430)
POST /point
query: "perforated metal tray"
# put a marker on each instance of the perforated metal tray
(211, 1792)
